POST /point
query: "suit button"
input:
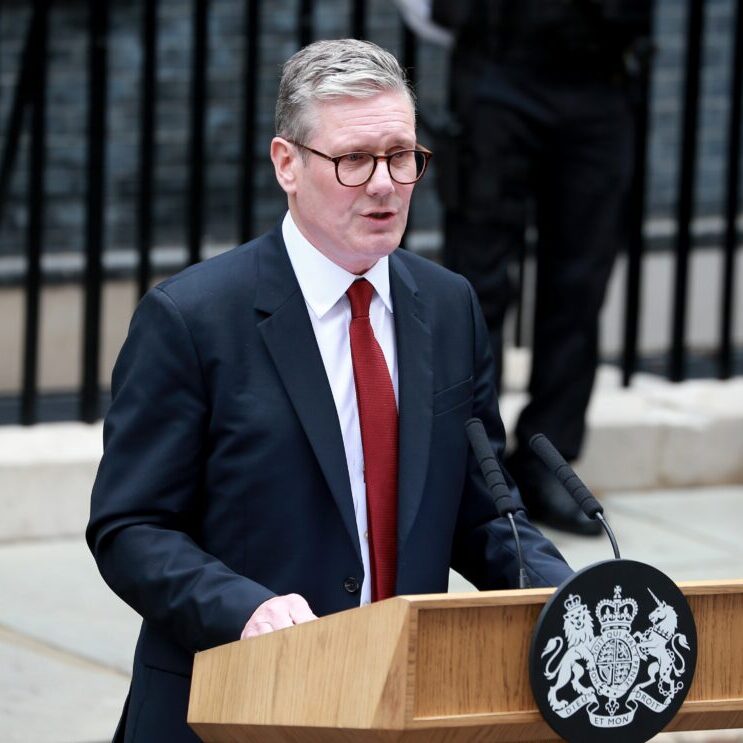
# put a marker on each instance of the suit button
(351, 585)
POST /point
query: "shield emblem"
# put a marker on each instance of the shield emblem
(616, 664)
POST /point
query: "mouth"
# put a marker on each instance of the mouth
(380, 216)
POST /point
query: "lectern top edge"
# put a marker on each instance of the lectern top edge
(509, 597)
(513, 597)
(702, 587)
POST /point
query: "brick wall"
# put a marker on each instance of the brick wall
(67, 94)
(667, 103)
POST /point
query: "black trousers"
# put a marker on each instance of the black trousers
(563, 148)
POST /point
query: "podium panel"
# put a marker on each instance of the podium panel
(440, 668)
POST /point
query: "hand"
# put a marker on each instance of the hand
(277, 613)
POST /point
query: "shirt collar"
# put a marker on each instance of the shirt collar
(323, 282)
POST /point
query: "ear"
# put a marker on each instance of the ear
(286, 162)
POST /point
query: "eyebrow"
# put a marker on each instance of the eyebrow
(398, 145)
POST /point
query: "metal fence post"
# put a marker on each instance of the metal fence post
(725, 361)
(36, 203)
(685, 203)
(95, 228)
(146, 143)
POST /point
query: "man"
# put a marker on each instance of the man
(255, 474)
(541, 95)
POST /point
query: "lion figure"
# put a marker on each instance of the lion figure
(578, 631)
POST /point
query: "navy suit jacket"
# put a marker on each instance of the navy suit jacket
(224, 480)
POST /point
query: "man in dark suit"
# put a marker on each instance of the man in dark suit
(286, 437)
(542, 96)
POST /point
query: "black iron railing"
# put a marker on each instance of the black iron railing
(32, 90)
(725, 358)
(29, 96)
(686, 184)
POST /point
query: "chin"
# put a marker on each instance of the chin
(379, 250)
(385, 242)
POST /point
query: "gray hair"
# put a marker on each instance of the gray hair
(331, 69)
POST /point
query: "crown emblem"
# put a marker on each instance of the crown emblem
(573, 605)
(616, 613)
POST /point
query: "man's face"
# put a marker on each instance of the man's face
(355, 226)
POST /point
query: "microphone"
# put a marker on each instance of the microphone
(491, 471)
(556, 464)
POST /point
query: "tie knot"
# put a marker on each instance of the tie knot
(360, 294)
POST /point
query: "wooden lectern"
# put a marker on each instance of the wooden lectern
(441, 668)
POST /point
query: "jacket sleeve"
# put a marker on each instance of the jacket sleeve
(148, 493)
(484, 551)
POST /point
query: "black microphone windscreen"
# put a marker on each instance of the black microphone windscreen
(555, 463)
(489, 466)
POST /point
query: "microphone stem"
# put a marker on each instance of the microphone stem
(523, 577)
(610, 533)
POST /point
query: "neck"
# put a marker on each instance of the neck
(357, 267)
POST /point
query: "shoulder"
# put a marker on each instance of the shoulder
(426, 272)
(222, 279)
(431, 281)
(236, 264)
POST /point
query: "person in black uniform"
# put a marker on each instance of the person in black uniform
(540, 90)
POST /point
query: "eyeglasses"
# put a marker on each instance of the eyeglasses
(357, 168)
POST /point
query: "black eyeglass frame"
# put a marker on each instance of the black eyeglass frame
(427, 154)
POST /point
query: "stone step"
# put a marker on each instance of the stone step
(652, 435)
(46, 474)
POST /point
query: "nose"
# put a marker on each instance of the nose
(380, 184)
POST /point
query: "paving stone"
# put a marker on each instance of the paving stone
(710, 516)
(49, 697)
(52, 592)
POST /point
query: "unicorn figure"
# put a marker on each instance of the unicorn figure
(661, 642)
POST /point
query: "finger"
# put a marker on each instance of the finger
(299, 609)
(284, 611)
(275, 612)
(281, 619)
(278, 612)
(253, 629)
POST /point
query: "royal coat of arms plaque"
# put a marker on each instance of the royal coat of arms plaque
(613, 654)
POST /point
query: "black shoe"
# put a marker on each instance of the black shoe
(545, 497)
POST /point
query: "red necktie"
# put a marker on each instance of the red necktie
(378, 420)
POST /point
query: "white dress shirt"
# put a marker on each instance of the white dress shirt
(324, 285)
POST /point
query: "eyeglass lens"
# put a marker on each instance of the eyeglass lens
(405, 166)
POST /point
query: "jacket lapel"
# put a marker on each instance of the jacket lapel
(415, 381)
(290, 339)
